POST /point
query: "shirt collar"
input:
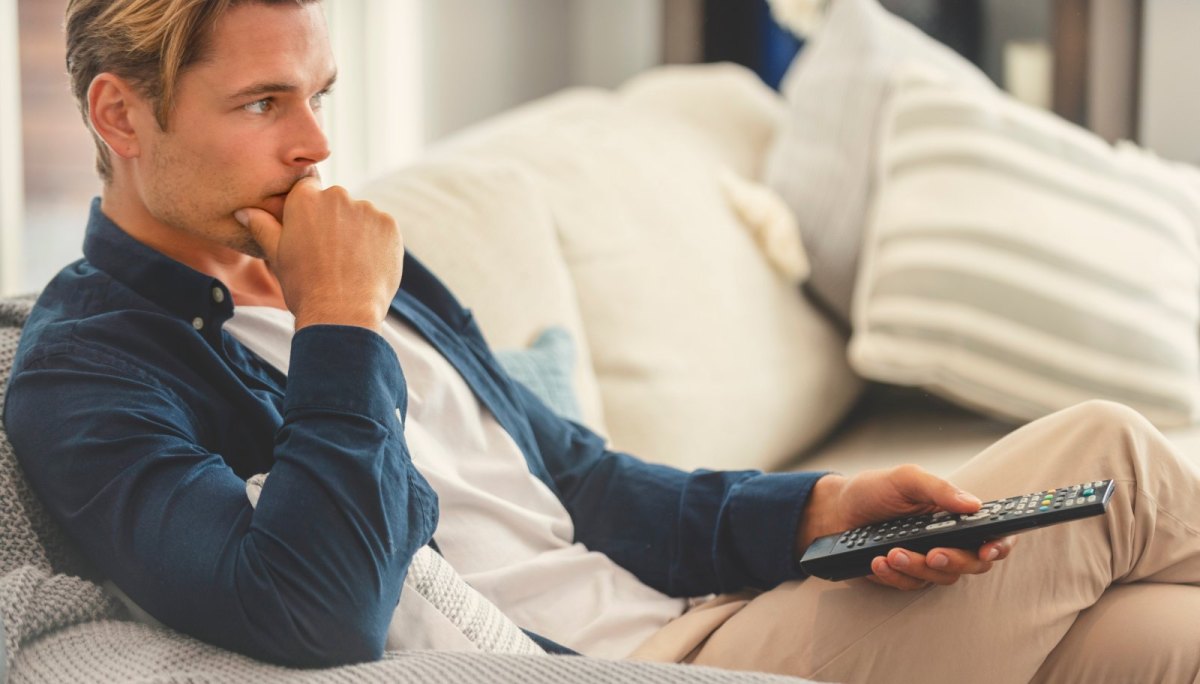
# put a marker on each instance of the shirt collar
(200, 299)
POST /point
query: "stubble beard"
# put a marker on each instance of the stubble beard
(175, 201)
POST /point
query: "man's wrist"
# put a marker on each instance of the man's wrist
(820, 516)
(361, 319)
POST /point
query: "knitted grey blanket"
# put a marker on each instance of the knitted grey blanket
(58, 626)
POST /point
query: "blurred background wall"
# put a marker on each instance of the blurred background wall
(413, 71)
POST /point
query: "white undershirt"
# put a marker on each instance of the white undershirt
(500, 527)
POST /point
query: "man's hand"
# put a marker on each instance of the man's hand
(837, 504)
(338, 260)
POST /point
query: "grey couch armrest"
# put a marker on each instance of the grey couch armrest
(117, 651)
(3, 653)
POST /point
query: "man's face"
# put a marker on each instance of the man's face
(245, 126)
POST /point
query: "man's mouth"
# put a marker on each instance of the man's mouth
(274, 202)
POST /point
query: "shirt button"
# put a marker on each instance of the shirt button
(198, 323)
(218, 295)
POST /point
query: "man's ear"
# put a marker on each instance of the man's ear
(114, 110)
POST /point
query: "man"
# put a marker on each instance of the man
(230, 317)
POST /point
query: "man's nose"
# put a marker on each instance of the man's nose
(309, 145)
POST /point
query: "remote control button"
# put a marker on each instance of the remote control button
(1044, 509)
(1092, 499)
(941, 525)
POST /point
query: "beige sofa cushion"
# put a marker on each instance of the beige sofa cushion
(736, 114)
(485, 231)
(705, 355)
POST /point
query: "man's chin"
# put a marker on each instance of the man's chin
(244, 243)
(252, 250)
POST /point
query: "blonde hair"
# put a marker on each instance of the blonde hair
(149, 43)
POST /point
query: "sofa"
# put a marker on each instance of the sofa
(493, 219)
(639, 254)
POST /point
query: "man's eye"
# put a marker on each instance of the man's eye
(319, 99)
(258, 106)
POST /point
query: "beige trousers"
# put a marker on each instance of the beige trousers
(1114, 598)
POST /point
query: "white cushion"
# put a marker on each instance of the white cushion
(736, 114)
(485, 231)
(1019, 264)
(705, 355)
(821, 161)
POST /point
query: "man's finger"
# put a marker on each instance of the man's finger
(957, 561)
(263, 228)
(312, 183)
(913, 564)
(998, 549)
(897, 580)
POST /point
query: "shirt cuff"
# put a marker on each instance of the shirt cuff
(344, 368)
(765, 513)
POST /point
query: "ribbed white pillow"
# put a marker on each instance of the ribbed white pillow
(1019, 264)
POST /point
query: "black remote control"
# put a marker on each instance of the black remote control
(848, 554)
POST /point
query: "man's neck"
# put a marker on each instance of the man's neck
(249, 280)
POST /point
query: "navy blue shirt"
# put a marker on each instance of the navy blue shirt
(137, 419)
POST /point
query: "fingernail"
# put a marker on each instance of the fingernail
(241, 216)
(938, 561)
(900, 560)
(969, 499)
(993, 553)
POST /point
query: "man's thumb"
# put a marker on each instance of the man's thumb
(954, 499)
(263, 228)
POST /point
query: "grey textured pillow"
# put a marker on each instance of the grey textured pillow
(545, 368)
(822, 161)
(3, 653)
